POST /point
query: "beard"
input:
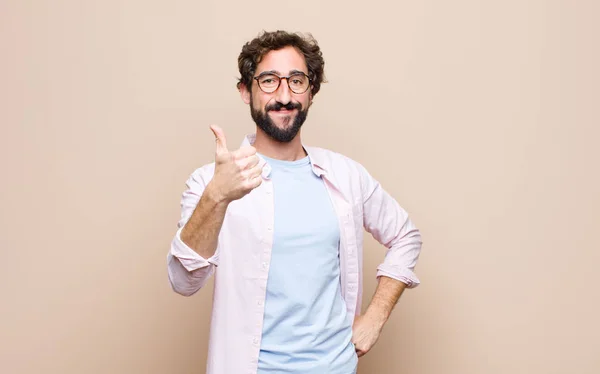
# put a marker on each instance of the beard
(288, 132)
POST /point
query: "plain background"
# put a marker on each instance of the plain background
(480, 117)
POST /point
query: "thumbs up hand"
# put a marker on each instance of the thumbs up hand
(236, 173)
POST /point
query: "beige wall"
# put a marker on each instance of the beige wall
(481, 118)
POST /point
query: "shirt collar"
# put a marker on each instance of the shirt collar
(316, 162)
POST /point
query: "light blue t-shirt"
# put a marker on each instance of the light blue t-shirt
(306, 327)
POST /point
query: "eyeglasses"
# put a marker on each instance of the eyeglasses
(297, 82)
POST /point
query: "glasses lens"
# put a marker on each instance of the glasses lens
(298, 83)
(268, 82)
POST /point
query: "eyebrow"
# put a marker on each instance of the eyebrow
(292, 72)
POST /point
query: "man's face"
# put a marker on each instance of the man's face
(279, 114)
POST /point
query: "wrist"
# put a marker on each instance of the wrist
(377, 316)
(215, 196)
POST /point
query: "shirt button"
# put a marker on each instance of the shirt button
(259, 302)
(264, 264)
(255, 341)
(269, 228)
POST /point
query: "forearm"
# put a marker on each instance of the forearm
(201, 232)
(385, 298)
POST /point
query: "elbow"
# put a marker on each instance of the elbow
(412, 238)
(184, 291)
(183, 288)
(184, 282)
(186, 287)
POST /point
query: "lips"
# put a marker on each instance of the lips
(280, 107)
(283, 111)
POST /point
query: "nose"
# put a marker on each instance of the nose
(283, 93)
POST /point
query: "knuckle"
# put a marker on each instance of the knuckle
(235, 154)
(239, 164)
(224, 158)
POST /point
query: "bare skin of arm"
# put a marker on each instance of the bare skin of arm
(367, 327)
(236, 174)
(202, 230)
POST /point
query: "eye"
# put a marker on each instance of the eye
(298, 79)
(269, 80)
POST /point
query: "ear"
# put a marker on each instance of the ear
(244, 93)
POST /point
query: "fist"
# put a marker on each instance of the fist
(236, 173)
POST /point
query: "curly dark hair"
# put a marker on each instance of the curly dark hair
(253, 52)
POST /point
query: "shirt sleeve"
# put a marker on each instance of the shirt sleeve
(390, 225)
(187, 270)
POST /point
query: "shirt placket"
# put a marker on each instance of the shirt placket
(266, 247)
(348, 248)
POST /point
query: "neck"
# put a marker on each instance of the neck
(271, 148)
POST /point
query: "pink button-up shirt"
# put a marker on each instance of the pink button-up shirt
(242, 258)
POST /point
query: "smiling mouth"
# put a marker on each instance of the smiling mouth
(283, 111)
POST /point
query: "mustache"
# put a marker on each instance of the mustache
(278, 106)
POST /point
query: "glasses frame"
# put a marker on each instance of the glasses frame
(287, 79)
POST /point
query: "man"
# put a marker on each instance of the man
(280, 224)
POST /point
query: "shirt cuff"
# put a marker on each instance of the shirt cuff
(403, 275)
(189, 258)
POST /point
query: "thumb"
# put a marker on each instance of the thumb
(220, 139)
